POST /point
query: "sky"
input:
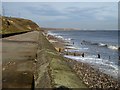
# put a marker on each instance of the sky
(82, 15)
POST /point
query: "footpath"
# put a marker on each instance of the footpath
(30, 61)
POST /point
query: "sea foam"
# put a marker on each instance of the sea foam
(103, 65)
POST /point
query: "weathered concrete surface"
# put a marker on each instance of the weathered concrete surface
(30, 54)
(52, 70)
(18, 54)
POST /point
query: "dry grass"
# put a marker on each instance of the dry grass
(15, 25)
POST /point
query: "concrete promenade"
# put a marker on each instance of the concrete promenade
(30, 61)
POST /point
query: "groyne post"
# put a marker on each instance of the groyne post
(83, 55)
(98, 55)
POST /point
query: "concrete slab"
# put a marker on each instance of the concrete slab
(18, 54)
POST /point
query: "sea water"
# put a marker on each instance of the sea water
(92, 43)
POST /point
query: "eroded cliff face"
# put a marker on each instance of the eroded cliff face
(14, 25)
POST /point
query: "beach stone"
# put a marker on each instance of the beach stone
(25, 73)
(93, 78)
(35, 60)
(3, 69)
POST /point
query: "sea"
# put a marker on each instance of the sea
(91, 43)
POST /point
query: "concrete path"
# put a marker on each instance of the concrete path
(30, 54)
(18, 54)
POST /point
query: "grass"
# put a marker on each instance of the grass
(16, 25)
(64, 76)
(60, 73)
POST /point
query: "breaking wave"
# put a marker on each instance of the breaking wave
(113, 47)
(103, 65)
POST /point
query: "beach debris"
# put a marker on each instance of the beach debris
(4, 80)
(3, 69)
(35, 60)
(59, 49)
(25, 73)
(13, 62)
(62, 88)
(9, 62)
(36, 55)
(74, 53)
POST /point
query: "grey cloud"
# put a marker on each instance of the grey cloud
(45, 10)
(79, 11)
(90, 13)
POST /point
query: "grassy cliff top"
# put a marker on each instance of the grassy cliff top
(15, 25)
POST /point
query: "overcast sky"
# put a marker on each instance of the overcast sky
(83, 15)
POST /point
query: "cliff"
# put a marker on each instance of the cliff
(30, 61)
(16, 25)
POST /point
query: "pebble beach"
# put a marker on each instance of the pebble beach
(92, 77)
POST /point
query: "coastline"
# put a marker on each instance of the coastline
(92, 77)
(35, 65)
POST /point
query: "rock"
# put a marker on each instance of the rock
(25, 73)
(3, 69)
(13, 62)
(62, 88)
(35, 60)
(93, 78)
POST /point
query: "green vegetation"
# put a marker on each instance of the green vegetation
(50, 69)
(16, 25)
(50, 61)
(64, 76)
